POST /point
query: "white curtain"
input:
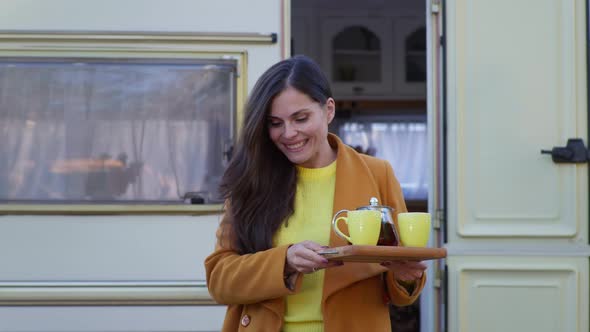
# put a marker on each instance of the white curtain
(403, 144)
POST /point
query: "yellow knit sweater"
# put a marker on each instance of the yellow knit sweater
(314, 200)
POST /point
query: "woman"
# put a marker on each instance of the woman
(285, 181)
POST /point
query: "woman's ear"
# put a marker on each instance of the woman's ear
(330, 109)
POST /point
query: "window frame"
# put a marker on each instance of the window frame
(152, 46)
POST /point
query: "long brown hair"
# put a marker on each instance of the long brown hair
(260, 182)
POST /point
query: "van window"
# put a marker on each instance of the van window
(113, 131)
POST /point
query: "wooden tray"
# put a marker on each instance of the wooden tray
(377, 254)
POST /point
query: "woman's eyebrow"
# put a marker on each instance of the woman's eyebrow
(303, 110)
(294, 115)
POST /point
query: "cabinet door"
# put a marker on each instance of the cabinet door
(517, 221)
(409, 50)
(356, 54)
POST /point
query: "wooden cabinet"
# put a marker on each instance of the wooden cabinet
(409, 44)
(356, 55)
(364, 55)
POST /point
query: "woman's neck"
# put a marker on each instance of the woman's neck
(327, 155)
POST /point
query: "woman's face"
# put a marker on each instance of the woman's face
(298, 126)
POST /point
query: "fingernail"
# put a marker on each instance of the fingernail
(325, 247)
(325, 261)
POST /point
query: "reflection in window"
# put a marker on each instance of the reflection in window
(403, 144)
(415, 45)
(108, 131)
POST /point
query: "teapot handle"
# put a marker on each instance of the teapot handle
(335, 226)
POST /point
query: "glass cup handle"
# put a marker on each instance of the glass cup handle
(335, 225)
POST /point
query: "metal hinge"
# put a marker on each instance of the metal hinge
(435, 6)
(439, 279)
(439, 219)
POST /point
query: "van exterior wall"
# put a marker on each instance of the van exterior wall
(83, 260)
(186, 16)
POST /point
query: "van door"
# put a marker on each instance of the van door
(515, 82)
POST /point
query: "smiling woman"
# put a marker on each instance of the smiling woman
(282, 186)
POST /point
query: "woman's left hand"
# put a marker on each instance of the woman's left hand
(406, 270)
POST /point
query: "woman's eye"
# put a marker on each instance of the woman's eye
(301, 119)
(274, 124)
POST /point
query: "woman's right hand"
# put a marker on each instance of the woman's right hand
(302, 257)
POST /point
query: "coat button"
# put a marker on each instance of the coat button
(245, 320)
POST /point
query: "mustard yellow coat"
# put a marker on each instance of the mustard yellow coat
(252, 285)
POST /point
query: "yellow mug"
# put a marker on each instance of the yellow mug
(364, 226)
(414, 228)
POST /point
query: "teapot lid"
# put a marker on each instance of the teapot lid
(374, 204)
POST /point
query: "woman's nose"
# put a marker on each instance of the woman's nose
(290, 131)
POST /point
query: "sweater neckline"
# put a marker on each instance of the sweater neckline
(317, 173)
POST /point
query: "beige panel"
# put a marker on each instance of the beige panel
(515, 89)
(114, 319)
(147, 248)
(490, 294)
(160, 17)
(142, 15)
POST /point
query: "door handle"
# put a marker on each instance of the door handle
(574, 152)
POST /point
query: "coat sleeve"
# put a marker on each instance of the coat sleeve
(393, 196)
(243, 279)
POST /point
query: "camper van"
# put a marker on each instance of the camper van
(118, 118)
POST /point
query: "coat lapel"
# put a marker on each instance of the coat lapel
(355, 185)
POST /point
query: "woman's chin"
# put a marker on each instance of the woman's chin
(297, 159)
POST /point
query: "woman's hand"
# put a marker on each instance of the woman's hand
(406, 270)
(302, 257)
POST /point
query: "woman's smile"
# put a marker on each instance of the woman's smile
(295, 147)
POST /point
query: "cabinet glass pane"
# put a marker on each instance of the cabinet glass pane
(356, 38)
(415, 56)
(356, 55)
